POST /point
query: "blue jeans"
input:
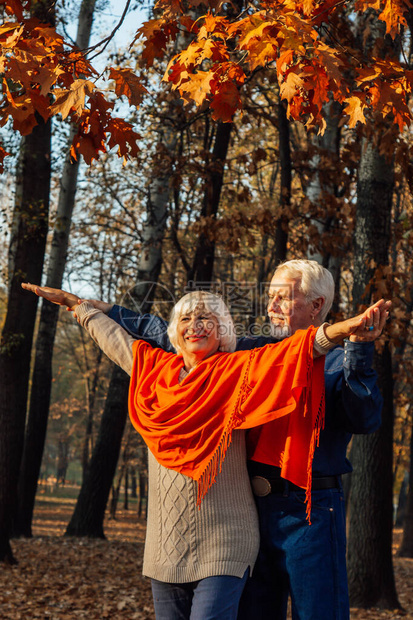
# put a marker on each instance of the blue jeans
(307, 562)
(212, 598)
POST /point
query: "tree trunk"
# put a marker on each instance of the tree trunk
(42, 374)
(91, 396)
(281, 233)
(203, 263)
(17, 334)
(88, 516)
(126, 487)
(370, 569)
(406, 548)
(322, 186)
(27, 249)
(371, 577)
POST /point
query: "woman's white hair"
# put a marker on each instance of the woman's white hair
(315, 281)
(210, 303)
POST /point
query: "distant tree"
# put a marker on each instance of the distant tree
(42, 373)
(27, 250)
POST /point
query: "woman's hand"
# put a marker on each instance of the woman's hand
(365, 327)
(55, 295)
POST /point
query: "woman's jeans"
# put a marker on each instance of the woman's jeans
(307, 562)
(212, 598)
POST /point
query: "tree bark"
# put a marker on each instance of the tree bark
(370, 569)
(42, 374)
(203, 263)
(406, 548)
(17, 334)
(87, 519)
(27, 249)
(281, 233)
(321, 186)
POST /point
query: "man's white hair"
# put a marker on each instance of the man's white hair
(210, 303)
(314, 281)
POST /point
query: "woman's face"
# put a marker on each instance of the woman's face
(198, 334)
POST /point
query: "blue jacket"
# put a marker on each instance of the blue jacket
(353, 400)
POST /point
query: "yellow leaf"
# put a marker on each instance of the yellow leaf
(73, 98)
(291, 86)
(197, 88)
(354, 109)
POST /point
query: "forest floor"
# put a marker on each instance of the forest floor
(59, 578)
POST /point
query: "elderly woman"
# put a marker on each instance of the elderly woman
(191, 407)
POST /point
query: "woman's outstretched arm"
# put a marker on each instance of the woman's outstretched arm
(114, 341)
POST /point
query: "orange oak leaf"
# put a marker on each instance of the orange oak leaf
(72, 99)
(355, 110)
(127, 83)
(307, 6)
(393, 16)
(291, 86)
(189, 23)
(176, 73)
(197, 88)
(213, 25)
(225, 102)
(323, 10)
(156, 34)
(169, 8)
(85, 145)
(198, 51)
(330, 60)
(124, 137)
(316, 83)
(255, 27)
(40, 103)
(260, 53)
(285, 60)
(10, 34)
(364, 5)
(13, 7)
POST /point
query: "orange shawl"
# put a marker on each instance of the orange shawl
(188, 426)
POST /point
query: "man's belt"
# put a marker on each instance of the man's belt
(264, 486)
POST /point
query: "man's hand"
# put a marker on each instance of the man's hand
(374, 321)
(364, 327)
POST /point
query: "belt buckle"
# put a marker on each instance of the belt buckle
(260, 486)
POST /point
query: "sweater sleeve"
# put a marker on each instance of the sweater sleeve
(114, 341)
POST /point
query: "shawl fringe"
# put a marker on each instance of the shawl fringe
(214, 466)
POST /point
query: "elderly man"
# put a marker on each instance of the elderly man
(305, 562)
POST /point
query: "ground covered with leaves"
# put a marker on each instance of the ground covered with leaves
(60, 578)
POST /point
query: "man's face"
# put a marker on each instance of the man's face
(288, 308)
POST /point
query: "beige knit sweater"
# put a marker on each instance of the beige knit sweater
(185, 543)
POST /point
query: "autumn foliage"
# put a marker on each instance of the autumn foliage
(296, 37)
(306, 42)
(43, 76)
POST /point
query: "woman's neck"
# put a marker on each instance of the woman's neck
(190, 361)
